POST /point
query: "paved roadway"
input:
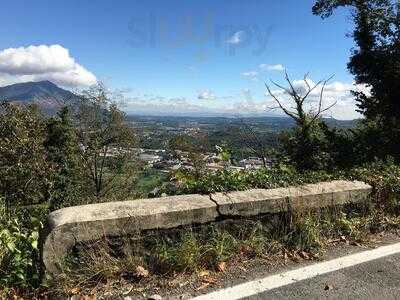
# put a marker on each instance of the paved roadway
(371, 274)
(379, 279)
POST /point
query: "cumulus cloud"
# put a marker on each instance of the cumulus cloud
(256, 72)
(278, 67)
(44, 62)
(35, 60)
(206, 95)
(237, 37)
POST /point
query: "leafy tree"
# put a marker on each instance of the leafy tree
(106, 143)
(375, 62)
(26, 175)
(62, 149)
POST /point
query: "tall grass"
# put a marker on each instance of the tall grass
(195, 249)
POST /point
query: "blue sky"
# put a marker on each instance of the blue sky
(176, 56)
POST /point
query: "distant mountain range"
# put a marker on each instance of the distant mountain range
(48, 96)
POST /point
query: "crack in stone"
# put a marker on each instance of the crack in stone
(220, 214)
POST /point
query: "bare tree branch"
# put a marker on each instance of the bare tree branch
(300, 115)
(310, 90)
(322, 111)
(286, 111)
(305, 80)
(294, 93)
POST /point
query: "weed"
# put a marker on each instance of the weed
(221, 247)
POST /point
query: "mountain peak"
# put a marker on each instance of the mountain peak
(31, 83)
(45, 94)
(45, 82)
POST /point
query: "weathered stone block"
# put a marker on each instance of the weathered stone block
(254, 202)
(68, 226)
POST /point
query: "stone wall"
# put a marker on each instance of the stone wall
(68, 226)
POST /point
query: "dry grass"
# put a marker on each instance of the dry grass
(193, 250)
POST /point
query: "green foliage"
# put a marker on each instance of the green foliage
(149, 183)
(187, 253)
(348, 148)
(181, 253)
(16, 259)
(38, 158)
(190, 143)
(351, 226)
(224, 153)
(62, 152)
(384, 176)
(195, 146)
(375, 62)
(222, 181)
(26, 185)
(43, 163)
(106, 143)
(307, 147)
(259, 241)
(222, 246)
(19, 234)
(307, 234)
(25, 173)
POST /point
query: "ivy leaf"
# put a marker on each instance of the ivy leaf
(11, 246)
(34, 244)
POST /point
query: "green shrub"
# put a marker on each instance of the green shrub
(19, 253)
(17, 261)
(307, 146)
(19, 264)
(223, 181)
(25, 173)
(384, 176)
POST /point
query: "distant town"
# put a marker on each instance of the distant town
(155, 134)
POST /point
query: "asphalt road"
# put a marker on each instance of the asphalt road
(378, 279)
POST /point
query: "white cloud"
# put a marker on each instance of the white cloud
(247, 104)
(252, 75)
(35, 63)
(206, 95)
(157, 105)
(237, 37)
(277, 67)
(35, 60)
